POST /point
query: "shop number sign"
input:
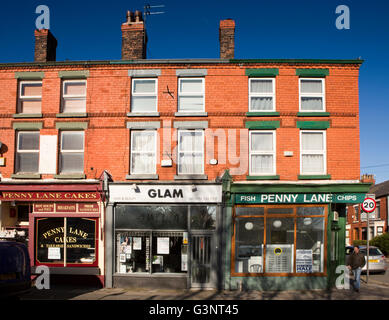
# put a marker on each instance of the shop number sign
(369, 205)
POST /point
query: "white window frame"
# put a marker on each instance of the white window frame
(313, 95)
(181, 94)
(273, 153)
(22, 97)
(144, 151)
(263, 95)
(310, 152)
(180, 131)
(29, 150)
(148, 94)
(71, 96)
(72, 151)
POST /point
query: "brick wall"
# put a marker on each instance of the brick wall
(226, 101)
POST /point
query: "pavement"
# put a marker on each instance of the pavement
(374, 290)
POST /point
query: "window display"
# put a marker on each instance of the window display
(66, 240)
(279, 239)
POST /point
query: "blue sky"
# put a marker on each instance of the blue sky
(90, 30)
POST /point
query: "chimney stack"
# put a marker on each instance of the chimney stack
(134, 37)
(368, 178)
(227, 39)
(45, 46)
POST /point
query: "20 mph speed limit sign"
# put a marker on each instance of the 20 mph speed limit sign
(369, 205)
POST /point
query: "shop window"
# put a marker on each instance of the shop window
(249, 245)
(143, 152)
(66, 241)
(157, 251)
(151, 217)
(190, 152)
(74, 96)
(280, 239)
(27, 152)
(261, 94)
(191, 94)
(313, 152)
(203, 217)
(30, 97)
(279, 245)
(144, 95)
(262, 153)
(310, 245)
(23, 213)
(72, 152)
(312, 95)
(249, 211)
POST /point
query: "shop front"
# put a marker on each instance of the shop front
(163, 235)
(61, 224)
(286, 237)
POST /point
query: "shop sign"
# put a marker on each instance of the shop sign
(270, 198)
(65, 207)
(43, 207)
(165, 193)
(48, 196)
(88, 207)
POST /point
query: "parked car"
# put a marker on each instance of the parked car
(15, 270)
(377, 260)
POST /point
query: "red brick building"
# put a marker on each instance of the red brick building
(356, 218)
(68, 127)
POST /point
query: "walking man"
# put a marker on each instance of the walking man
(355, 263)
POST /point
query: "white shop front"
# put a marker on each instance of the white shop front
(165, 235)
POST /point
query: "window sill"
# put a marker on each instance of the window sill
(142, 176)
(26, 176)
(313, 114)
(70, 176)
(72, 115)
(271, 177)
(314, 177)
(191, 177)
(262, 114)
(143, 114)
(191, 114)
(27, 115)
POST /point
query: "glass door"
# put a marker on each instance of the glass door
(202, 260)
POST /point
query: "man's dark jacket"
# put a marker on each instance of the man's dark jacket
(356, 260)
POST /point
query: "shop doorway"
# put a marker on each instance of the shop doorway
(203, 273)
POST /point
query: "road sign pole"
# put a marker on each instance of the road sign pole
(367, 247)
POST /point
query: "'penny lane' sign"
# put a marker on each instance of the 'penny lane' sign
(48, 196)
(268, 198)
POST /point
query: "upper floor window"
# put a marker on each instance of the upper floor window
(30, 97)
(144, 95)
(143, 152)
(191, 94)
(190, 152)
(261, 94)
(27, 151)
(312, 95)
(71, 152)
(262, 157)
(74, 96)
(313, 152)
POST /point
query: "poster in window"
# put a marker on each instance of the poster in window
(137, 243)
(163, 245)
(122, 257)
(54, 253)
(184, 262)
(304, 261)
